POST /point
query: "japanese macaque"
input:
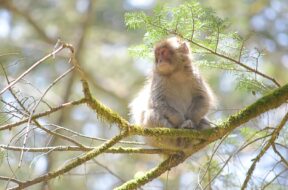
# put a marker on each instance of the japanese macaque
(175, 95)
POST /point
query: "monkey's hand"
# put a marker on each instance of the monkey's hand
(204, 124)
(156, 118)
(174, 117)
(164, 116)
(188, 124)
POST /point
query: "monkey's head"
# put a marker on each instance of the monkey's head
(170, 55)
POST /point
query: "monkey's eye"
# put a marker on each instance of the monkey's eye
(179, 41)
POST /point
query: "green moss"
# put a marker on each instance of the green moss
(106, 113)
(264, 104)
(162, 131)
(172, 161)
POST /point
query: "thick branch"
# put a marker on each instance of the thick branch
(103, 112)
(262, 105)
(266, 103)
(172, 161)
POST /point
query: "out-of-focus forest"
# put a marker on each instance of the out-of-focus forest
(29, 30)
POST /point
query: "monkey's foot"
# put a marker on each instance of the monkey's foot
(188, 124)
(204, 124)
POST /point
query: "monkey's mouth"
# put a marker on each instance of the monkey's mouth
(164, 66)
(162, 63)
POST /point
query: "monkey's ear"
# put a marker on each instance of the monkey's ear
(184, 48)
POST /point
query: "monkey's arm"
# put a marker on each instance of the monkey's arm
(197, 111)
(173, 116)
(163, 114)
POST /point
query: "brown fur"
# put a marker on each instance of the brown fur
(175, 96)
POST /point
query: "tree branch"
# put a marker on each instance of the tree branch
(170, 162)
(270, 101)
(48, 112)
(262, 105)
(122, 150)
(263, 151)
(32, 67)
(74, 163)
(238, 62)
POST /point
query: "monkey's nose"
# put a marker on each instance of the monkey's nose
(163, 52)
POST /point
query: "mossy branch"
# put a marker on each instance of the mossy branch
(172, 161)
(264, 104)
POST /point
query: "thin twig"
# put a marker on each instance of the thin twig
(33, 111)
(275, 177)
(280, 155)
(209, 163)
(72, 164)
(121, 150)
(10, 179)
(218, 54)
(48, 112)
(263, 151)
(61, 136)
(108, 170)
(92, 138)
(31, 68)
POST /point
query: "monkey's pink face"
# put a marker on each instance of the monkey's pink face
(163, 59)
(168, 53)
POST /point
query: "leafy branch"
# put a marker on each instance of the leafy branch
(200, 26)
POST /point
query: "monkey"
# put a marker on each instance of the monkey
(174, 96)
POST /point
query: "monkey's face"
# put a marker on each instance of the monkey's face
(169, 55)
(163, 59)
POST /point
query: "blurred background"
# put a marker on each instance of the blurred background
(30, 29)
